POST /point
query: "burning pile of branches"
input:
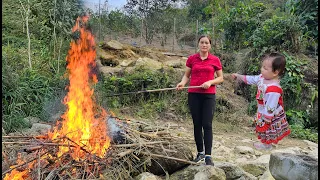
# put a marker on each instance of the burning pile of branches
(136, 147)
(85, 144)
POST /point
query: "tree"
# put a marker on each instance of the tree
(151, 12)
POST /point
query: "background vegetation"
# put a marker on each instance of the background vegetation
(36, 36)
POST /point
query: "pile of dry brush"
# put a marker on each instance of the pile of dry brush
(137, 147)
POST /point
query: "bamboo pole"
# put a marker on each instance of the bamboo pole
(153, 90)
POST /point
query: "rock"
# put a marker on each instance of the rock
(241, 160)
(199, 173)
(253, 168)
(31, 120)
(314, 153)
(262, 160)
(223, 150)
(159, 166)
(312, 144)
(110, 70)
(38, 128)
(247, 141)
(147, 176)
(126, 63)
(291, 150)
(247, 176)
(148, 63)
(266, 176)
(113, 44)
(232, 171)
(174, 63)
(244, 150)
(286, 166)
(258, 153)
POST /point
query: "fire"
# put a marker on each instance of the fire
(83, 124)
(17, 175)
(80, 124)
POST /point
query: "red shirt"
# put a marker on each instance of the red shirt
(202, 71)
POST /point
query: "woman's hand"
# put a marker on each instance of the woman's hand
(180, 86)
(206, 85)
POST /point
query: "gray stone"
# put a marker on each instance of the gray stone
(174, 63)
(244, 150)
(147, 176)
(286, 166)
(254, 169)
(113, 44)
(266, 176)
(38, 128)
(311, 143)
(291, 150)
(148, 63)
(199, 173)
(232, 171)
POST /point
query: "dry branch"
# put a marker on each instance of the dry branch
(167, 157)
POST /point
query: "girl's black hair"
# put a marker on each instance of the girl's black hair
(278, 62)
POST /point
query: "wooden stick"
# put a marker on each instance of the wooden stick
(120, 155)
(137, 144)
(167, 157)
(47, 144)
(9, 170)
(151, 90)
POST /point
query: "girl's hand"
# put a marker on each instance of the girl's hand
(180, 86)
(206, 85)
(234, 75)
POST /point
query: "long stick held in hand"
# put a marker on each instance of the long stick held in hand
(152, 90)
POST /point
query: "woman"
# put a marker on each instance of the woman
(200, 68)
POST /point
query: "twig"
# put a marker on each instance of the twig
(167, 157)
(78, 145)
(9, 170)
(138, 144)
(47, 144)
(120, 155)
(36, 137)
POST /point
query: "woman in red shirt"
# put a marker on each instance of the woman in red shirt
(200, 69)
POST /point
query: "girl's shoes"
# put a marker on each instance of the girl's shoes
(262, 146)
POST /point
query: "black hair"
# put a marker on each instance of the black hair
(202, 36)
(278, 62)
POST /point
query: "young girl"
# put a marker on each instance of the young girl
(271, 123)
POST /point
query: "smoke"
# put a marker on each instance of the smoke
(116, 134)
(53, 107)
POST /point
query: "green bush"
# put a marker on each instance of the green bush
(298, 131)
(279, 32)
(148, 104)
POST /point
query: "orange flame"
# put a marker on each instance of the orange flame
(18, 175)
(79, 122)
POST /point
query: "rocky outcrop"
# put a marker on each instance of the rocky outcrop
(200, 173)
(287, 166)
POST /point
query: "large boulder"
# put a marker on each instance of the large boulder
(113, 45)
(199, 173)
(254, 169)
(161, 166)
(286, 166)
(148, 63)
(147, 176)
(232, 171)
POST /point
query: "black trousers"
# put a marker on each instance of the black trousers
(202, 107)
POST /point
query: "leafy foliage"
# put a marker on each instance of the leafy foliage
(278, 32)
(142, 79)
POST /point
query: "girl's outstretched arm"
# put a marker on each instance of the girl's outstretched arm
(246, 78)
